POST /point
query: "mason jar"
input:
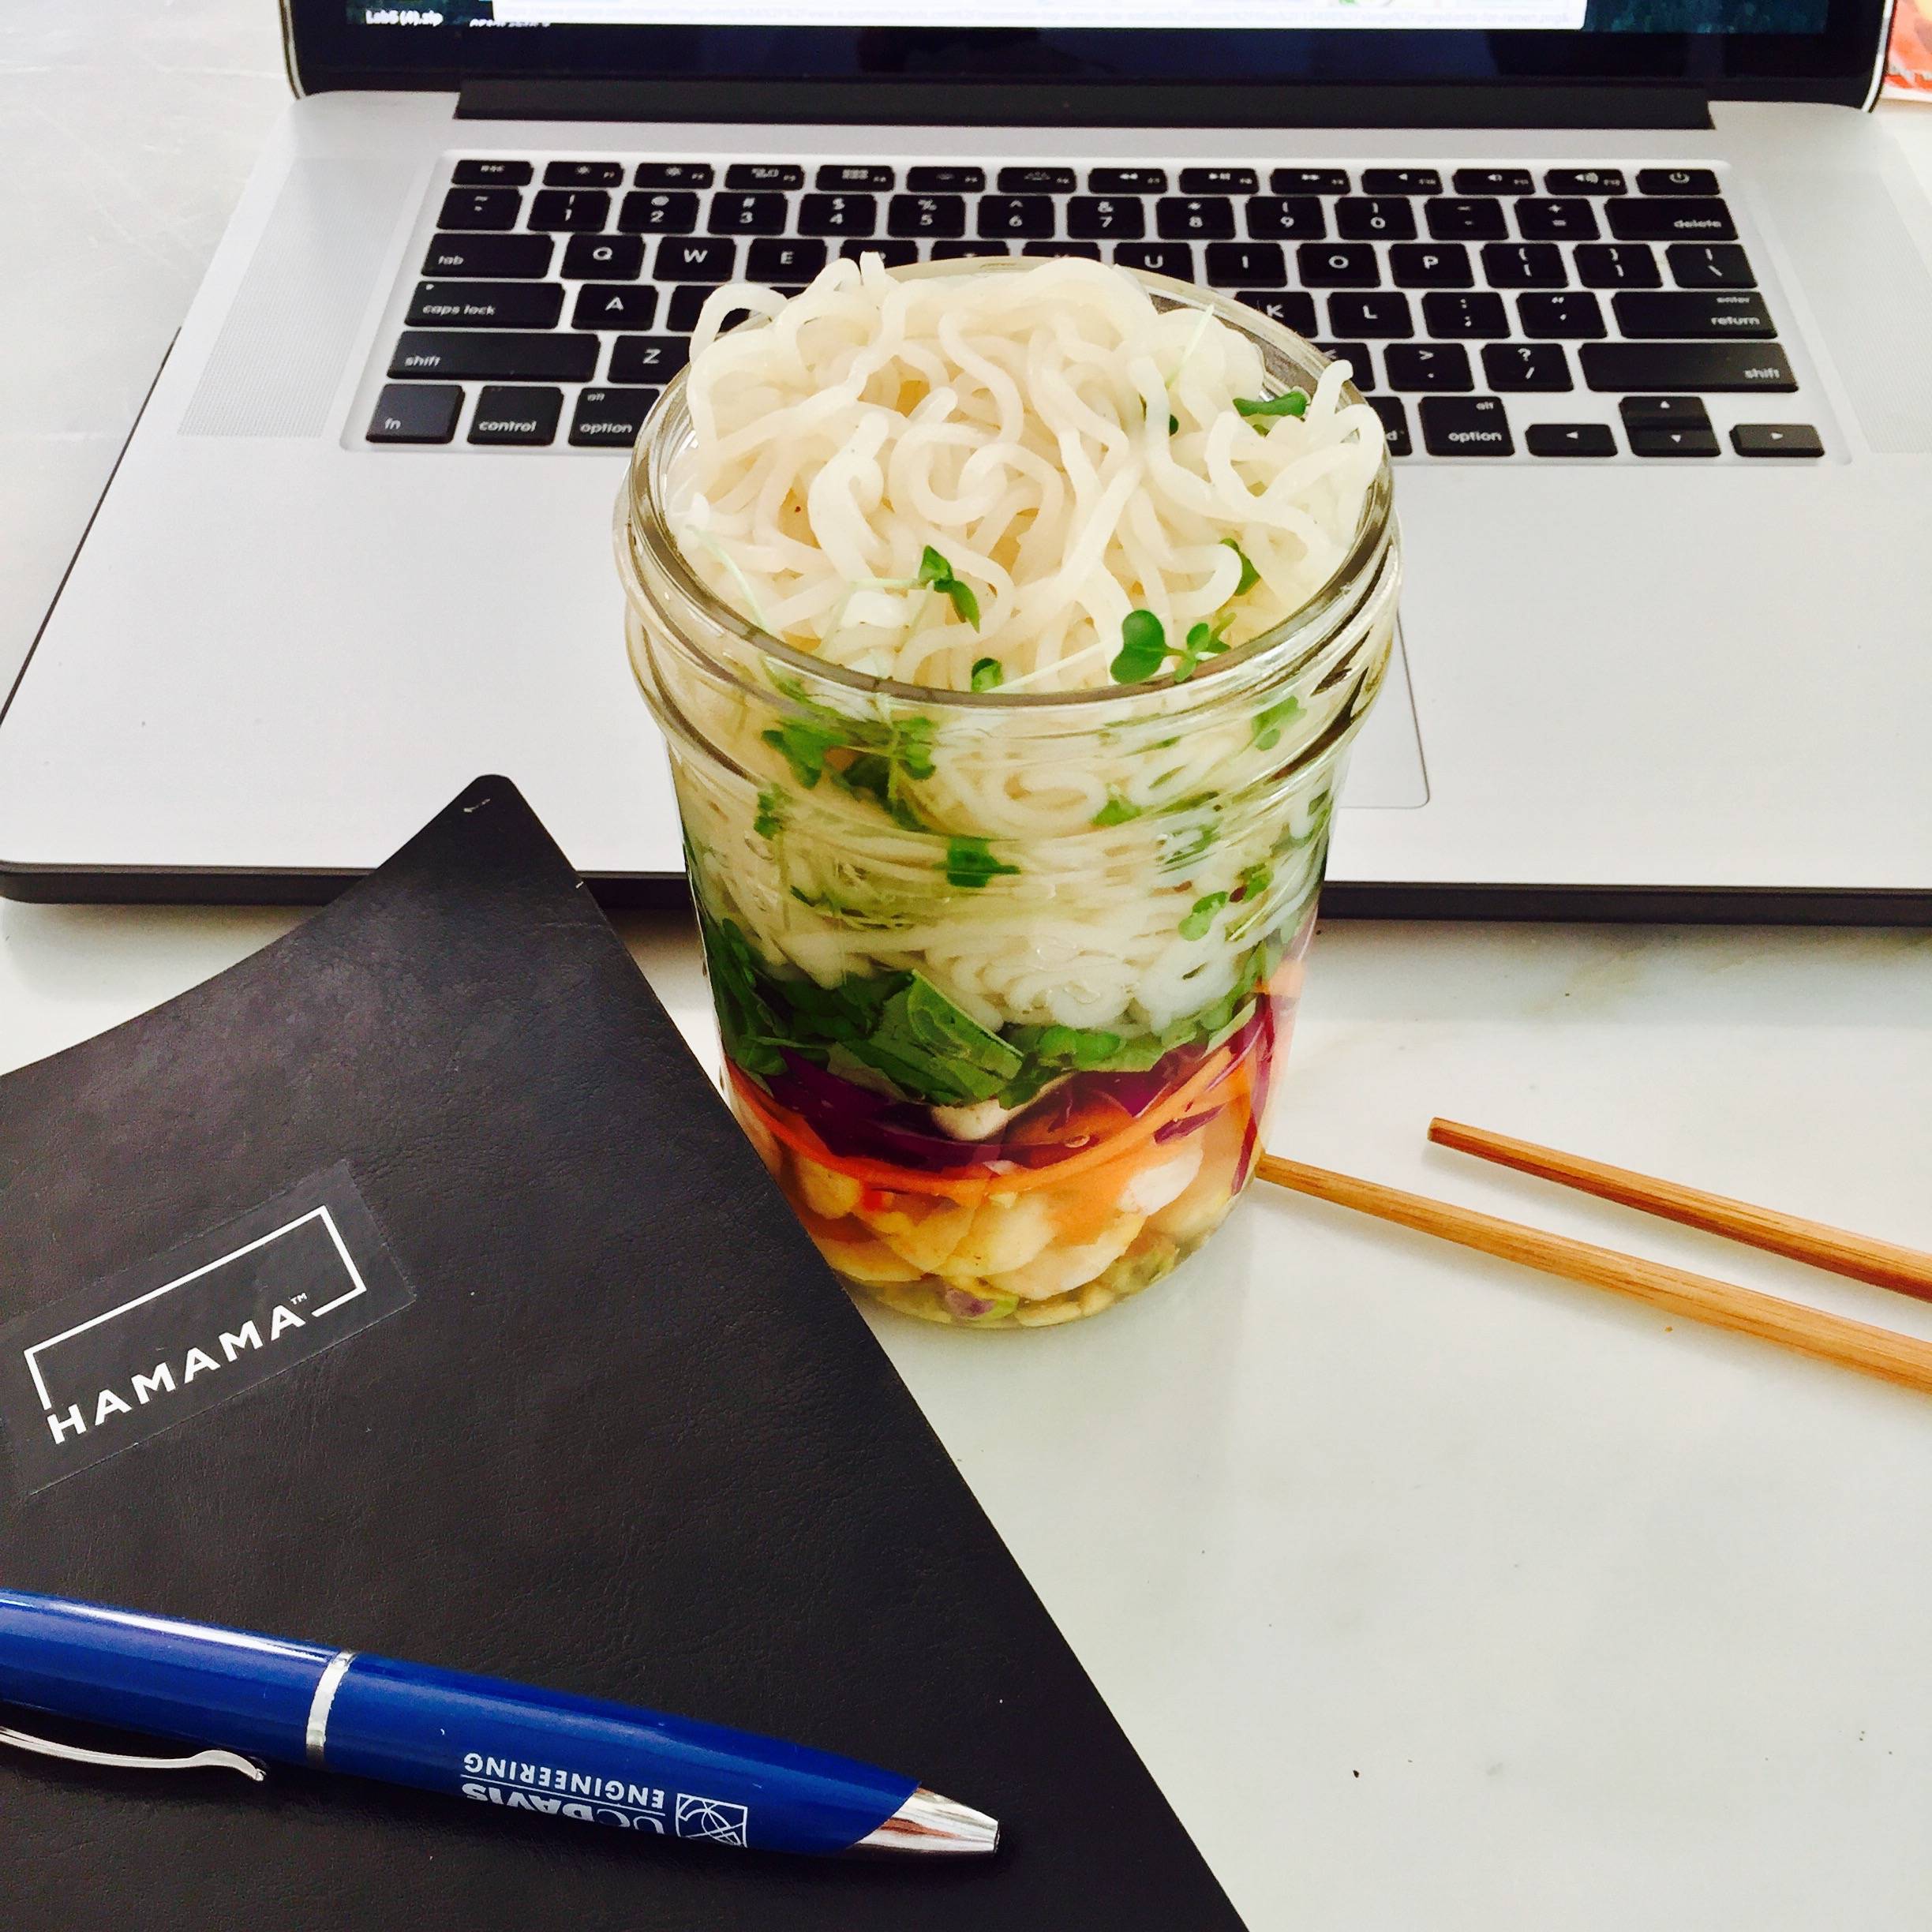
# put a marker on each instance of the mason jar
(1005, 981)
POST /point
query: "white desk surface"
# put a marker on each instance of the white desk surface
(1437, 1595)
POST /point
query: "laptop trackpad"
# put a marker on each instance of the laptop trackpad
(1385, 768)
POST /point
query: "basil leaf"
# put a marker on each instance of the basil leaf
(1143, 648)
(970, 862)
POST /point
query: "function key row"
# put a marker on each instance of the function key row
(834, 178)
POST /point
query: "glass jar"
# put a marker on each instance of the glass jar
(1004, 981)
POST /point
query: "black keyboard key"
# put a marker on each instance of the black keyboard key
(1614, 264)
(1556, 221)
(1061, 251)
(687, 304)
(1669, 412)
(1036, 180)
(946, 180)
(1492, 181)
(574, 209)
(685, 259)
(1128, 181)
(1375, 218)
(524, 257)
(1428, 365)
(492, 175)
(1401, 182)
(893, 254)
(1218, 180)
(747, 214)
(1105, 217)
(1420, 265)
(1309, 181)
(505, 356)
(673, 175)
(1583, 181)
(664, 211)
(614, 305)
(1571, 317)
(1015, 214)
(604, 258)
(1466, 426)
(968, 247)
(1395, 414)
(486, 304)
(516, 418)
(1194, 218)
(851, 177)
(584, 174)
(838, 215)
(654, 359)
(1174, 259)
(1515, 367)
(1684, 316)
(1776, 439)
(610, 418)
(784, 262)
(417, 413)
(1712, 369)
(1569, 439)
(481, 207)
(1453, 219)
(1337, 264)
(1362, 366)
(1673, 442)
(1287, 218)
(751, 175)
(1717, 265)
(1377, 316)
(1523, 264)
(1478, 316)
(1669, 221)
(1676, 182)
(925, 215)
(1292, 309)
(1253, 264)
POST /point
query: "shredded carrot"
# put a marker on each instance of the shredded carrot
(976, 1186)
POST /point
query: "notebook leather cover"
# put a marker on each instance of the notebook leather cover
(542, 1381)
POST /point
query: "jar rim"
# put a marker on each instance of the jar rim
(1315, 619)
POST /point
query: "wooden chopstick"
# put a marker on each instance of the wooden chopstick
(1898, 1358)
(1883, 1263)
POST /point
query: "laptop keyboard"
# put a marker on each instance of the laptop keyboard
(1487, 313)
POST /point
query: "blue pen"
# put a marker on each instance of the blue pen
(479, 1738)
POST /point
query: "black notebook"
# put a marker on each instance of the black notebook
(408, 1288)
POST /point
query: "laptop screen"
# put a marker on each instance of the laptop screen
(1221, 16)
(1165, 63)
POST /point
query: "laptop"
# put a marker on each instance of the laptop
(1637, 286)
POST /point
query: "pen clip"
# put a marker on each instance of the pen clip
(74, 1754)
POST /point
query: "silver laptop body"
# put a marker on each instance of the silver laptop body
(357, 550)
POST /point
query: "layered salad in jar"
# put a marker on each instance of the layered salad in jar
(1006, 766)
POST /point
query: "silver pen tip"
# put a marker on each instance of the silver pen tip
(928, 1822)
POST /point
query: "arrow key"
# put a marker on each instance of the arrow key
(1673, 442)
(1776, 439)
(1569, 439)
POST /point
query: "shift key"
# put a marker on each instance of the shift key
(503, 355)
(1679, 368)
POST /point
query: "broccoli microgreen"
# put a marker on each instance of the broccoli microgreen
(1195, 926)
(988, 674)
(1293, 402)
(1249, 576)
(1143, 648)
(935, 570)
(969, 863)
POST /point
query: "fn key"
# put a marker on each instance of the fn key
(417, 413)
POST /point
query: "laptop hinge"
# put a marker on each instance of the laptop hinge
(899, 103)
